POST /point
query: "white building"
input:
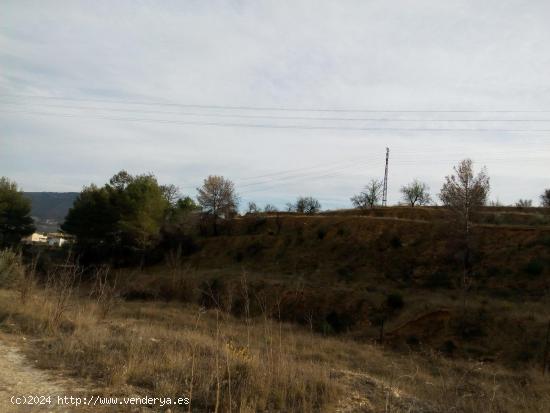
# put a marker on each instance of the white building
(56, 241)
(36, 238)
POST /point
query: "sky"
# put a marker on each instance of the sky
(285, 98)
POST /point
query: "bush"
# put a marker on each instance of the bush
(11, 269)
(412, 341)
(438, 279)
(345, 273)
(255, 224)
(448, 347)
(341, 232)
(544, 240)
(321, 232)
(395, 242)
(493, 271)
(338, 322)
(472, 325)
(254, 248)
(307, 205)
(534, 267)
(395, 302)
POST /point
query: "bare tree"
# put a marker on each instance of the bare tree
(218, 199)
(253, 208)
(416, 193)
(524, 203)
(171, 193)
(307, 205)
(545, 198)
(369, 196)
(270, 208)
(463, 193)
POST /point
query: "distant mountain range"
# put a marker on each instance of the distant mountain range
(50, 208)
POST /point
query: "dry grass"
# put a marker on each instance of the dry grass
(248, 364)
(179, 352)
(226, 364)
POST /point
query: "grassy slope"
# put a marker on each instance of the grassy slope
(335, 271)
(163, 349)
(329, 272)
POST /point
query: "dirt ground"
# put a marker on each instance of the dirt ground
(19, 377)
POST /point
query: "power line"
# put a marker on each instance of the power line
(271, 185)
(266, 108)
(284, 172)
(272, 126)
(278, 184)
(327, 172)
(243, 116)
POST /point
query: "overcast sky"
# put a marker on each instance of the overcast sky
(286, 98)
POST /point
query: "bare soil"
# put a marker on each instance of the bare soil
(19, 377)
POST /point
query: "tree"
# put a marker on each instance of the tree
(463, 193)
(187, 204)
(121, 180)
(171, 193)
(123, 217)
(253, 208)
(218, 199)
(369, 196)
(143, 208)
(416, 193)
(177, 233)
(270, 208)
(307, 205)
(93, 219)
(524, 203)
(15, 209)
(545, 198)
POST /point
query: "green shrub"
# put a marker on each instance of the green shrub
(412, 341)
(254, 248)
(255, 225)
(534, 267)
(338, 322)
(345, 273)
(395, 301)
(239, 256)
(493, 271)
(321, 232)
(472, 325)
(439, 279)
(341, 232)
(448, 347)
(544, 240)
(395, 242)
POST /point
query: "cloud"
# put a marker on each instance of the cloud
(426, 55)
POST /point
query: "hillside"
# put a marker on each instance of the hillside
(335, 273)
(343, 311)
(50, 208)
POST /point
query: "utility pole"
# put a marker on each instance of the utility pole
(385, 190)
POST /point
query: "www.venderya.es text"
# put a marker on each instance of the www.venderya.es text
(95, 400)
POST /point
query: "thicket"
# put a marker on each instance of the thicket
(130, 220)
